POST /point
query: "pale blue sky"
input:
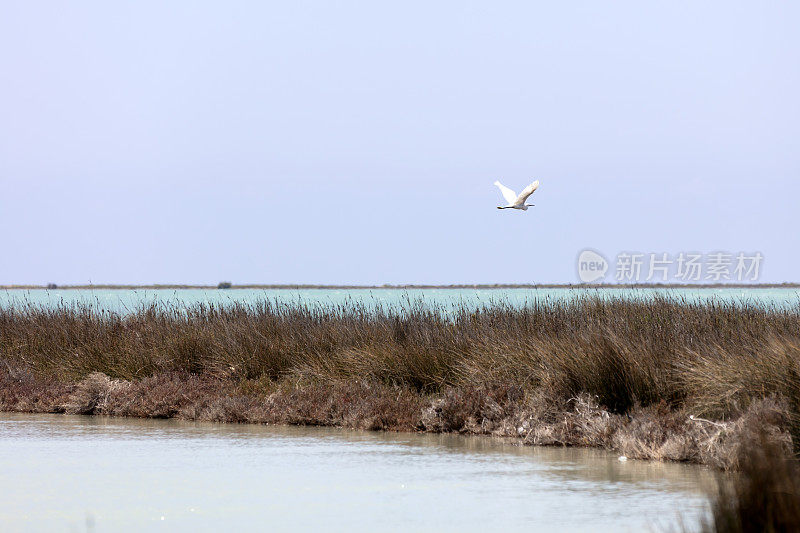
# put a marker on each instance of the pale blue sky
(357, 142)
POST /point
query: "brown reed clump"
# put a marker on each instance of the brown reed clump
(764, 496)
(618, 373)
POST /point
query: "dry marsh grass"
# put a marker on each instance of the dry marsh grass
(764, 496)
(594, 371)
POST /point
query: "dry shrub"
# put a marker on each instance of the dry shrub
(360, 405)
(167, 395)
(484, 410)
(579, 421)
(92, 394)
(658, 432)
(23, 390)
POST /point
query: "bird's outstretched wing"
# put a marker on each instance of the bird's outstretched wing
(527, 191)
(508, 194)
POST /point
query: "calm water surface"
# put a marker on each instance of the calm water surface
(73, 473)
(124, 300)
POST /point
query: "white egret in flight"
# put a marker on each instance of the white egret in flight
(514, 201)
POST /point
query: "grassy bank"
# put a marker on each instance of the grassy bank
(651, 379)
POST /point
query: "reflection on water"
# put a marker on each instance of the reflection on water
(62, 473)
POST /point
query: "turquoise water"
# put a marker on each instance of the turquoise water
(125, 300)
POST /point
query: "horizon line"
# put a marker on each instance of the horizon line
(229, 286)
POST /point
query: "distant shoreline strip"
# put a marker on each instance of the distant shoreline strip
(396, 287)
